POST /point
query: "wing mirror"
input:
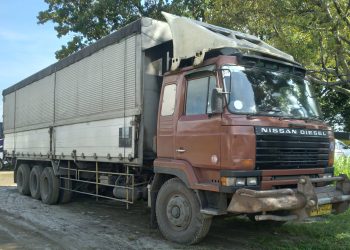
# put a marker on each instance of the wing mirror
(217, 101)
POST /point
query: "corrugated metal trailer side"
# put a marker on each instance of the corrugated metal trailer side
(90, 105)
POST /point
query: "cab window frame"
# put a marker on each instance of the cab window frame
(208, 92)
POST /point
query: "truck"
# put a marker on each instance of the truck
(197, 119)
(2, 164)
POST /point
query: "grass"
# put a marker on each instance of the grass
(333, 232)
(342, 166)
(329, 232)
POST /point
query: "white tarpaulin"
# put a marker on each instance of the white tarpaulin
(190, 37)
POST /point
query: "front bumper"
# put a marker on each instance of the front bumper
(299, 202)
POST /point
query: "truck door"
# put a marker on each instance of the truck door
(167, 121)
(197, 138)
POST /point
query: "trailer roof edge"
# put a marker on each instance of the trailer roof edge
(132, 28)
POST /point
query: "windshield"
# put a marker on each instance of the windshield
(264, 92)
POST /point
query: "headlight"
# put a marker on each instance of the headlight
(252, 181)
(329, 175)
(239, 181)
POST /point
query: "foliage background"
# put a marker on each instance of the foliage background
(315, 32)
(342, 166)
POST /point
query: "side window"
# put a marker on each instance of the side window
(125, 137)
(199, 95)
(169, 97)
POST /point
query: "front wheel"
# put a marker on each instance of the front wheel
(178, 213)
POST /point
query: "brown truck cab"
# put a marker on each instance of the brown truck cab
(245, 133)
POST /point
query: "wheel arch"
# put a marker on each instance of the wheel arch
(211, 202)
(164, 174)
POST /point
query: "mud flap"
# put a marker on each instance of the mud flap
(153, 219)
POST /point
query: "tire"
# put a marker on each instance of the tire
(49, 186)
(178, 213)
(34, 181)
(22, 179)
(65, 196)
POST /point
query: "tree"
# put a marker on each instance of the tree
(90, 20)
(315, 32)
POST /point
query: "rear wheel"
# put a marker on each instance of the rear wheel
(34, 181)
(65, 195)
(178, 213)
(49, 186)
(22, 179)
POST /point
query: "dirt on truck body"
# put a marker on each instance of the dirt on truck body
(197, 119)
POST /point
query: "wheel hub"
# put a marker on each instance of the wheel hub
(175, 212)
(178, 211)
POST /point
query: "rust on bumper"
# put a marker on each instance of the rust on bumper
(299, 202)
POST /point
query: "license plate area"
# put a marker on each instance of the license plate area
(322, 210)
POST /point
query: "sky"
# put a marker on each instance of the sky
(25, 46)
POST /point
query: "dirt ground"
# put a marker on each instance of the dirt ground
(6, 178)
(85, 223)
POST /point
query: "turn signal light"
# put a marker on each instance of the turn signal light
(228, 181)
(247, 163)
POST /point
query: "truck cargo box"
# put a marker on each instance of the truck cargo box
(100, 103)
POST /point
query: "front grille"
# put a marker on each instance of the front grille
(288, 151)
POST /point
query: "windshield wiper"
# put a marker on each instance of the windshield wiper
(267, 110)
(311, 118)
(263, 114)
(272, 112)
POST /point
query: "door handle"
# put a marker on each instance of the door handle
(180, 150)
